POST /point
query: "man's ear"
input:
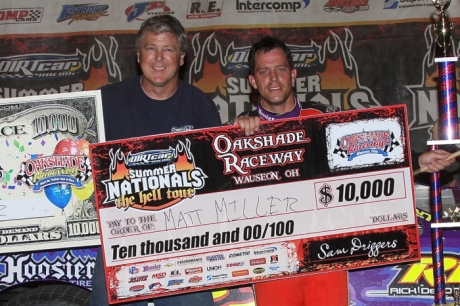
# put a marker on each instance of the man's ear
(252, 81)
(137, 56)
(293, 75)
(182, 56)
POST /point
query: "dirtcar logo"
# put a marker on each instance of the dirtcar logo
(150, 157)
(204, 9)
(88, 12)
(37, 66)
(302, 56)
(23, 15)
(267, 6)
(150, 188)
(144, 10)
(372, 142)
(346, 6)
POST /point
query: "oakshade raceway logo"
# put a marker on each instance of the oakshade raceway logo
(346, 6)
(88, 12)
(38, 66)
(67, 166)
(21, 15)
(204, 9)
(371, 142)
(144, 10)
(365, 143)
(226, 150)
(153, 180)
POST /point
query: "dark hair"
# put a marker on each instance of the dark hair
(265, 45)
(163, 24)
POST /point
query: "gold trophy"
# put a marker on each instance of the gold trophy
(443, 27)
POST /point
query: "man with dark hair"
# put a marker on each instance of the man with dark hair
(272, 74)
(155, 102)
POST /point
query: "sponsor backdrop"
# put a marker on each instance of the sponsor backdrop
(353, 54)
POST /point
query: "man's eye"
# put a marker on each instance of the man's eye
(263, 72)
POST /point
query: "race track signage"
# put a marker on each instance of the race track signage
(212, 208)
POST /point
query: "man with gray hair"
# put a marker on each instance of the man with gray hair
(155, 102)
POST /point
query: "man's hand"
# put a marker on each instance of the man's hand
(435, 160)
(248, 124)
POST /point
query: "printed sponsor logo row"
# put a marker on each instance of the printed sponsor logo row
(167, 276)
(204, 9)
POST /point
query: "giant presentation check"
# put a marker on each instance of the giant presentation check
(212, 208)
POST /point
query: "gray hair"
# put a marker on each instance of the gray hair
(163, 24)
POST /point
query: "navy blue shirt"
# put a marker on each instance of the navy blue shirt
(129, 112)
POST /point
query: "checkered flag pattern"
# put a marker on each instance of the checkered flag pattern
(22, 176)
(394, 143)
(83, 176)
(338, 150)
(35, 13)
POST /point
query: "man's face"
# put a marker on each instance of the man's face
(160, 57)
(273, 78)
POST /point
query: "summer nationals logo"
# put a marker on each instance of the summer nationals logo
(88, 12)
(371, 142)
(204, 9)
(227, 150)
(153, 180)
(21, 15)
(144, 10)
(346, 6)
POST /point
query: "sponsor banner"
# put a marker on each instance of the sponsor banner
(118, 15)
(334, 67)
(410, 283)
(214, 207)
(75, 266)
(47, 199)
